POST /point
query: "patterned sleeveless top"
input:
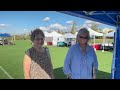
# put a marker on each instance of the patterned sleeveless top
(41, 66)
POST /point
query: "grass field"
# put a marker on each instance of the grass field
(101, 40)
(11, 58)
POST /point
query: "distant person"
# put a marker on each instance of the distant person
(81, 61)
(37, 63)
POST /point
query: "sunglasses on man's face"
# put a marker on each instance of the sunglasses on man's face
(83, 37)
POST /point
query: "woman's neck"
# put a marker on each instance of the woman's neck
(39, 49)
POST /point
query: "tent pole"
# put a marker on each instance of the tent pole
(116, 55)
(14, 38)
(94, 43)
(113, 59)
(103, 42)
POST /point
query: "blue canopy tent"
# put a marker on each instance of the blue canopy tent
(110, 18)
(5, 35)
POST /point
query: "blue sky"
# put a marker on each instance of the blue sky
(24, 21)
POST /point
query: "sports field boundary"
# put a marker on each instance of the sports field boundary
(6, 72)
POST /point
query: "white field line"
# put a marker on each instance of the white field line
(6, 72)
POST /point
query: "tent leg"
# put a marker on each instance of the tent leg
(116, 55)
(103, 43)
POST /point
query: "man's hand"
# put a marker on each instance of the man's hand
(94, 77)
(94, 73)
(69, 76)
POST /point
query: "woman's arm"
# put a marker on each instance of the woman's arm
(26, 66)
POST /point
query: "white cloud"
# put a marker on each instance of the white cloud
(54, 26)
(57, 26)
(43, 28)
(46, 19)
(25, 29)
(69, 22)
(3, 25)
(89, 23)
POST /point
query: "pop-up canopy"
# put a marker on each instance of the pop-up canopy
(107, 17)
(5, 35)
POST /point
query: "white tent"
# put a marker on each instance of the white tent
(111, 34)
(47, 34)
(76, 33)
(69, 35)
(94, 33)
(48, 37)
(55, 34)
(56, 37)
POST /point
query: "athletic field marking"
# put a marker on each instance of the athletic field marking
(6, 72)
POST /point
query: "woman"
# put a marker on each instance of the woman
(81, 61)
(37, 63)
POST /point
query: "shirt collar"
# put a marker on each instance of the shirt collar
(87, 49)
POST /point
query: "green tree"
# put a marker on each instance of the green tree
(94, 26)
(63, 33)
(60, 31)
(73, 30)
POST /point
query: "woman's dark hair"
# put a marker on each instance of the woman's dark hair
(35, 33)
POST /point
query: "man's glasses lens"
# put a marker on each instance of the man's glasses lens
(83, 37)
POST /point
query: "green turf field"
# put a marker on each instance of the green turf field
(11, 57)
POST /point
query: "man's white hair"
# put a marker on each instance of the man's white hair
(83, 31)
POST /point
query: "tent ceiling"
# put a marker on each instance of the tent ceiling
(106, 17)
